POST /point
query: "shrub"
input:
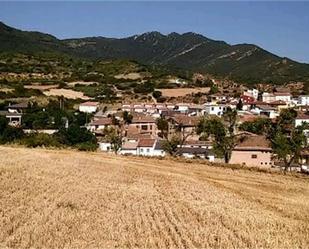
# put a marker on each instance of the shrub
(40, 139)
(11, 134)
(87, 146)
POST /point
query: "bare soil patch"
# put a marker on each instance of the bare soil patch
(67, 93)
(179, 92)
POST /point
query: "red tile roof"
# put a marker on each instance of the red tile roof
(102, 121)
(254, 143)
(89, 103)
(145, 142)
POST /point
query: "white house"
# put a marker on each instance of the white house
(150, 147)
(189, 152)
(266, 110)
(268, 97)
(129, 148)
(303, 100)
(215, 109)
(301, 118)
(182, 107)
(105, 146)
(88, 107)
(283, 96)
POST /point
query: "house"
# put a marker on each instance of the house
(183, 123)
(301, 119)
(303, 100)
(218, 97)
(189, 152)
(105, 146)
(253, 151)
(182, 107)
(88, 107)
(254, 93)
(144, 124)
(18, 108)
(268, 97)
(215, 109)
(129, 148)
(265, 109)
(150, 147)
(100, 124)
(283, 96)
(246, 99)
(14, 118)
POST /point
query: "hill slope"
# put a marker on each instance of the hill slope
(242, 62)
(59, 199)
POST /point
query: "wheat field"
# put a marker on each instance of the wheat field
(68, 199)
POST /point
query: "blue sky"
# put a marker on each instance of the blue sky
(280, 27)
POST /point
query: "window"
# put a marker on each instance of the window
(147, 150)
(265, 163)
(150, 127)
(253, 156)
(144, 127)
(136, 126)
(212, 108)
(261, 163)
(142, 150)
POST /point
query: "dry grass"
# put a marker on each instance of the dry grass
(69, 94)
(41, 87)
(178, 92)
(57, 199)
(129, 76)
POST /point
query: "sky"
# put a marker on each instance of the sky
(279, 27)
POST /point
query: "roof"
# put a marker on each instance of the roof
(143, 119)
(146, 142)
(197, 143)
(19, 105)
(302, 115)
(159, 144)
(252, 143)
(265, 107)
(185, 120)
(89, 103)
(278, 102)
(129, 146)
(102, 121)
(282, 94)
(195, 150)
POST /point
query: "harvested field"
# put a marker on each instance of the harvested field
(178, 92)
(68, 199)
(70, 94)
(41, 87)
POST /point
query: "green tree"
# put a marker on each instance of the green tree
(172, 145)
(239, 105)
(259, 126)
(127, 117)
(288, 148)
(222, 133)
(114, 137)
(162, 125)
(157, 94)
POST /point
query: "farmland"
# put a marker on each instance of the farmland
(180, 92)
(63, 198)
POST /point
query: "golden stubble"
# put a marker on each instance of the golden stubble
(69, 199)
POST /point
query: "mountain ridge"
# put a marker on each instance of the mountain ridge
(189, 51)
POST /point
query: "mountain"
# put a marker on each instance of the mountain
(242, 62)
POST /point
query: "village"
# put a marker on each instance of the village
(161, 129)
